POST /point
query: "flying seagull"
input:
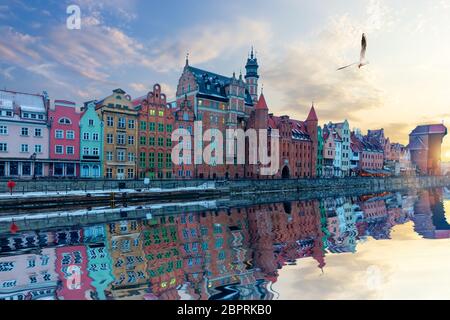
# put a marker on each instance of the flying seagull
(362, 56)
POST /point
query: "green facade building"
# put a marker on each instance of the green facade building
(91, 143)
(319, 165)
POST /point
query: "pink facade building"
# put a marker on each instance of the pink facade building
(71, 266)
(64, 117)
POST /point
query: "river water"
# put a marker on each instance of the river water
(376, 246)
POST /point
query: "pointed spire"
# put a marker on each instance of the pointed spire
(251, 54)
(261, 103)
(187, 59)
(312, 116)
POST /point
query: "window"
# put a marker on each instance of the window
(142, 159)
(169, 142)
(110, 121)
(151, 159)
(85, 151)
(85, 171)
(151, 141)
(130, 173)
(131, 157)
(38, 148)
(26, 168)
(86, 136)
(14, 168)
(69, 150)
(160, 141)
(109, 173)
(142, 140)
(70, 134)
(3, 147)
(24, 132)
(143, 125)
(91, 122)
(131, 124)
(109, 156)
(160, 127)
(160, 159)
(59, 134)
(24, 148)
(151, 126)
(121, 138)
(152, 112)
(168, 161)
(109, 138)
(96, 171)
(121, 123)
(3, 130)
(59, 149)
(70, 169)
(120, 155)
(95, 151)
(131, 140)
(169, 128)
(64, 121)
(38, 132)
(161, 113)
(95, 136)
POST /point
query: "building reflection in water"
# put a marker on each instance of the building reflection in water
(233, 253)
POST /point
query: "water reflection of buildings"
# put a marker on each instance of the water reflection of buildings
(429, 215)
(230, 253)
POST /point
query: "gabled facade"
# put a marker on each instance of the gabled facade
(297, 143)
(184, 120)
(342, 130)
(320, 145)
(155, 126)
(221, 103)
(64, 119)
(91, 143)
(329, 153)
(24, 134)
(119, 118)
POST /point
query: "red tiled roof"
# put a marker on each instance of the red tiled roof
(312, 116)
(136, 102)
(261, 103)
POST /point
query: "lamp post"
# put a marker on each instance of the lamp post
(33, 158)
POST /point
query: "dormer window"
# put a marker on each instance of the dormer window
(64, 121)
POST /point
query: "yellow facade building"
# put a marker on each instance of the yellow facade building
(120, 135)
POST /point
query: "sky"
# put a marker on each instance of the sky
(134, 44)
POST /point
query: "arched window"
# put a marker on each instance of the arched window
(85, 171)
(96, 171)
(185, 116)
(64, 121)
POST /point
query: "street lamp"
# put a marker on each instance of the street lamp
(33, 158)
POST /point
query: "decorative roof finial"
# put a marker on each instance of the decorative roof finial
(262, 88)
(251, 54)
(187, 58)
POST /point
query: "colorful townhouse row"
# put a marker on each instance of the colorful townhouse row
(118, 137)
(195, 255)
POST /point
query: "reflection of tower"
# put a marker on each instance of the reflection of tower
(423, 222)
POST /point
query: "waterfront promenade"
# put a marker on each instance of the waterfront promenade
(54, 195)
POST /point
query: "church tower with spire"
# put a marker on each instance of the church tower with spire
(251, 76)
